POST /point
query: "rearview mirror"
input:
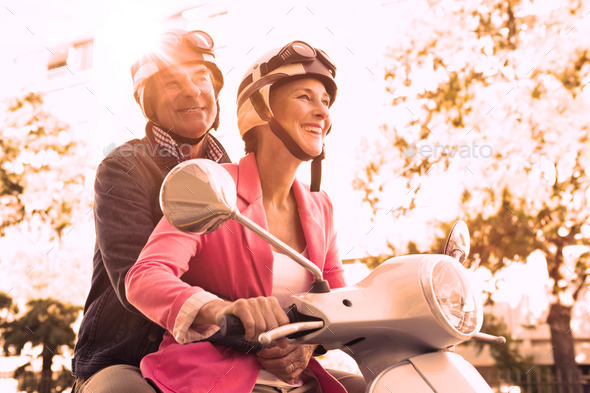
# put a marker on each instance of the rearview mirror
(458, 242)
(197, 197)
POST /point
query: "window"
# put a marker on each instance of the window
(76, 56)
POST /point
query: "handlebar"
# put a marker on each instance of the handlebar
(488, 338)
(231, 325)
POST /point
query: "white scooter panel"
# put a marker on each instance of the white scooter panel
(439, 372)
(400, 378)
(448, 372)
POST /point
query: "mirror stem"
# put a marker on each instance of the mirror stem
(300, 259)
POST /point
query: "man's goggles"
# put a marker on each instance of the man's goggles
(196, 39)
(297, 52)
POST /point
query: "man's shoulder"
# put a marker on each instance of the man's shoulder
(132, 150)
(132, 145)
(136, 154)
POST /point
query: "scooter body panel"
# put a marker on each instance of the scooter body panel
(399, 378)
(389, 301)
(440, 372)
(448, 372)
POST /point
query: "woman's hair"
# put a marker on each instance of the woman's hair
(251, 140)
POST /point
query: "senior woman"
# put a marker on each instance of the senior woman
(187, 282)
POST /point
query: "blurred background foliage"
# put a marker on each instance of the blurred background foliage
(500, 129)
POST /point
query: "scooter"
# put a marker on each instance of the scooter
(400, 323)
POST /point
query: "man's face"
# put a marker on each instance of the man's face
(185, 100)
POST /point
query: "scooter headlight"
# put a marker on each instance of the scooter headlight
(451, 298)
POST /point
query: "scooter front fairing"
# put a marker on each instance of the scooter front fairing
(440, 372)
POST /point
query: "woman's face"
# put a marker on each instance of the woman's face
(302, 108)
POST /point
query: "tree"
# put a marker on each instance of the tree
(8, 311)
(28, 380)
(7, 308)
(507, 357)
(44, 196)
(47, 323)
(496, 97)
(45, 199)
(507, 235)
(35, 148)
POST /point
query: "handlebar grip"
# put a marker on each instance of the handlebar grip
(231, 325)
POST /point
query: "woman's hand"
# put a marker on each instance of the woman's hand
(286, 361)
(258, 315)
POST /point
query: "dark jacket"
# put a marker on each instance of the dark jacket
(126, 210)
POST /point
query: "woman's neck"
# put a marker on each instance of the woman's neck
(277, 171)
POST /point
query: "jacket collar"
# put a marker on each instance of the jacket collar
(248, 183)
(250, 192)
(250, 189)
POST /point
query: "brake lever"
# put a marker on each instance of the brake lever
(287, 330)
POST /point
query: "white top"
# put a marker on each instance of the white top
(289, 278)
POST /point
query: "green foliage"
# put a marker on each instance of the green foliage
(507, 356)
(47, 322)
(512, 76)
(515, 367)
(8, 312)
(44, 196)
(571, 77)
(29, 380)
(413, 248)
(488, 68)
(6, 302)
(39, 175)
(503, 236)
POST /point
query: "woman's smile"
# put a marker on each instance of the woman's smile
(313, 128)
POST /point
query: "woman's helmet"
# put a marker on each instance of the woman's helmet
(295, 60)
(173, 50)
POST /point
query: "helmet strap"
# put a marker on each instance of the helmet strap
(316, 171)
(295, 149)
(289, 143)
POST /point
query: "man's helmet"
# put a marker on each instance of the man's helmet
(295, 60)
(173, 50)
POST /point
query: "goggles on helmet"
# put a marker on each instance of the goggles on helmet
(196, 39)
(174, 48)
(297, 52)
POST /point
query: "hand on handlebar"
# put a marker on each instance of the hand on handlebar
(286, 361)
(258, 315)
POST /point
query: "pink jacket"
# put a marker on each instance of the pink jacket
(231, 263)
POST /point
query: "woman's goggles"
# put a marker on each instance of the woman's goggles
(297, 52)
